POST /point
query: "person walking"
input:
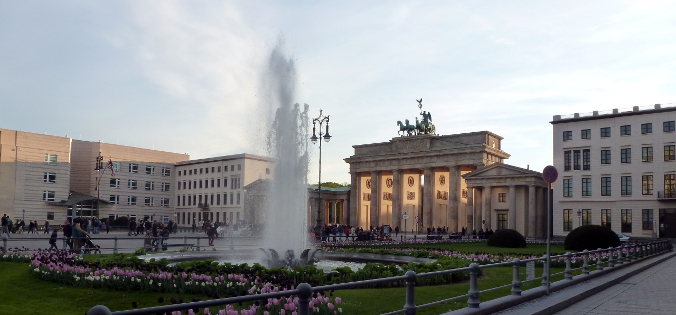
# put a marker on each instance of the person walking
(52, 241)
(68, 233)
(46, 227)
(31, 227)
(5, 225)
(79, 234)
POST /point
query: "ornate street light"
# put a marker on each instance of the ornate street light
(320, 120)
(98, 168)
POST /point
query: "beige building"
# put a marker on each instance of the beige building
(142, 187)
(34, 172)
(617, 169)
(213, 188)
(416, 182)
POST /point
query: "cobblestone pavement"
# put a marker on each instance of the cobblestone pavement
(649, 292)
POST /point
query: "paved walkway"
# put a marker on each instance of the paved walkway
(649, 292)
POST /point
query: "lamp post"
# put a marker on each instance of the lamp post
(579, 217)
(98, 168)
(321, 119)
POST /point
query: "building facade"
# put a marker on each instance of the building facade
(213, 188)
(616, 169)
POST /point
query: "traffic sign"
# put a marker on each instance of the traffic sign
(550, 174)
(405, 216)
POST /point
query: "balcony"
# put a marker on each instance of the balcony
(668, 195)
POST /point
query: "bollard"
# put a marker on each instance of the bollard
(516, 282)
(198, 243)
(585, 262)
(599, 259)
(115, 245)
(611, 257)
(4, 244)
(409, 307)
(640, 251)
(414, 237)
(569, 271)
(473, 301)
(304, 297)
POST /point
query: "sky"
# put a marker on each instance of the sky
(185, 76)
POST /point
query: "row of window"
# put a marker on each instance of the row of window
(132, 201)
(150, 169)
(196, 217)
(625, 130)
(236, 183)
(581, 159)
(133, 184)
(213, 199)
(585, 216)
(625, 186)
(214, 169)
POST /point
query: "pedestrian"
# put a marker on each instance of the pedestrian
(68, 233)
(31, 227)
(52, 241)
(79, 234)
(5, 225)
(193, 227)
(396, 231)
(46, 227)
(107, 226)
(102, 225)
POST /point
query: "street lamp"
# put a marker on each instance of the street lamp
(579, 217)
(321, 119)
(98, 168)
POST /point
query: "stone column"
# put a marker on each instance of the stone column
(542, 203)
(512, 207)
(428, 199)
(478, 209)
(470, 210)
(453, 198)
(375, 199)
(354, 199)
(396, 199)
(530, 227)
(487, 210)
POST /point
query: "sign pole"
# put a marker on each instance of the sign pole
(549, 174)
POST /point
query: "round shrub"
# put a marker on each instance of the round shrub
(507, 238)
(591, 237)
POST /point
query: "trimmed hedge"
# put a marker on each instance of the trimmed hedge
(507, 238)
(591, 237)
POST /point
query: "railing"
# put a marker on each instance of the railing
(113, 244)
(607, 259)
(669, 194)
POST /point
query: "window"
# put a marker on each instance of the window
(190, 172)
(166, 171)
(647, 184)
(502, 197)
(201, 169)
(566, 161)
(183, 185)
(586, 134)
(50, 178)
(567, 135)
(178, 185)
(502, 221)
(647, 154)
(150, 170)
(219, 169)
(200, 183)
(606, 218)
(131, 200)
(48, 195)
(267, 170)
(605, 132)
(626, 185)
(150, 185)
(586, 217)
(50, 159)
(164, 202)
(626, 220)
(668, 126)
(568, 187)
(647, 128)
(669, 152)
(567, 220)
(148, 201)
(232, 168)
(239, 167)
(647, 219)
(50, 215)
(206, 170)
(116, 166)
(576, 160)
(606, 186)
(625, 155)
(625, 130)
(586, 187)
(605, 156)
(133, 168)
(218, 182)
(189, 184)
(238, 198)
(115, 182)
(114, 199)
(212, 169)
(225, 182)
(218, 199)
(165, 186)
(232, 198)
(212, 199)
(212, 183)
(132, 184)
(586, 159)
(669, 186)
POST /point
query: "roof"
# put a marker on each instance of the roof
(75, 197)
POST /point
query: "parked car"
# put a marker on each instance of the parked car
(623, 238)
